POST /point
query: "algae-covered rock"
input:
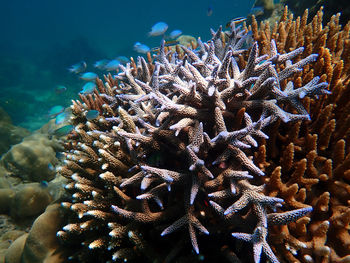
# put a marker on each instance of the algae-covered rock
(6, 197)
(42, 244)
(30, 200)
(8, 239)
(14, 252)
(186, 40)
(9, 133)
(33, 159)
(4, 182)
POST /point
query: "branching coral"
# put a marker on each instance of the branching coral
(172, 150)
(309, 161)
(330, 8)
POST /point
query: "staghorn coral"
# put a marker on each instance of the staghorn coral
(309, 161)
(330, 8)
(169, 159)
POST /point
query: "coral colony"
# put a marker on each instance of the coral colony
(164, 172)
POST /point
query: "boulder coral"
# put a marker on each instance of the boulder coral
(29, 201)
(31, 208)
(7, 239)
(24, 202)
(32, 159)
(41, 243)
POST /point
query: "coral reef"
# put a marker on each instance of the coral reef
(31, 217)
(330, 8)
(9, 133)
(33, 159)
(20, 206)
(29, 200)
(309, 161)
(23, 199)
(7, 239)
(14, 252)
(166, 173)
(266, 7)
(41, 243)
(186, 40)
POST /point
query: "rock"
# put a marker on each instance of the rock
(30, 201)
(9, 237)
(185, 40)
(7, 240)
(42, 244)
(14, 252)
(6, 198)
(9, 133)
(33, 159)
(4, 182)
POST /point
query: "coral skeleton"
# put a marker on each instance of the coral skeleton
(169, 159)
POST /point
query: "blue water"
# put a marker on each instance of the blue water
(41, 39)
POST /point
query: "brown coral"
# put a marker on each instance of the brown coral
(310, 161)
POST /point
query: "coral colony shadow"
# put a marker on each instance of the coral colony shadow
(163, 172)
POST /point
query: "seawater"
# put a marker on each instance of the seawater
(42, 39)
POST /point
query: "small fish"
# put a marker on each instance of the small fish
(55, 110)
(257, 11)
(123, 59)
(89, 76)
(44, 184)
(209, 10)
(77, 68)
(63, 131)
(100, 64)
(236, 21)
(92, 114)
(175, 33)
(60, 155)
(60, 89)
(158, 29)
(88, 88)
(112, 65)
(168, 43)
(141, 48)
(60, 118)
(262, 61)
(171, 43)
(51, 167)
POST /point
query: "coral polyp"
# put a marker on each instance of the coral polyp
(165, 172)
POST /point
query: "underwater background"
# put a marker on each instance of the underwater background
(41, 40)
(51, 53)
